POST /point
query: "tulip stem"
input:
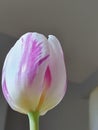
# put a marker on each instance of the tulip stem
(33, 120)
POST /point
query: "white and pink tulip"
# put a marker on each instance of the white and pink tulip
(34, 74)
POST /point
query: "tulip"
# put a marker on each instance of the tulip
(34, 75)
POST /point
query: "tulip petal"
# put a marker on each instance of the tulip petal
(46, 86)
(33, 55)
(25, 68)
(5, 90)
(9, 99)
(58, 76)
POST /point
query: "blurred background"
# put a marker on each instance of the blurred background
(75, 23)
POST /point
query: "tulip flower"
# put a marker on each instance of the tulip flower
(34, 75)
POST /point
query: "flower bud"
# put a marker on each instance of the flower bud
(34, 75)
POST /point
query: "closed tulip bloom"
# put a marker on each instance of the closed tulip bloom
(34, 75)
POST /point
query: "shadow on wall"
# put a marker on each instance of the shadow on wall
(16, 121)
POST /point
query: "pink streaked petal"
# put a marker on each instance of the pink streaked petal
(9, 99)
(58, 74)
(18, 84)
(34, 67)
(33, 56)
(48, 77)
(5, 91)
(46, 86)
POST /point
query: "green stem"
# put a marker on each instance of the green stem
(33, 120)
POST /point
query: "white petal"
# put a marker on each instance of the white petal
(58, 73)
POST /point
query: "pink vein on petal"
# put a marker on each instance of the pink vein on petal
(5, 91)
(43, 59)
(46, 86)
(26, 49)
(48, 77)
(31, 59)
(7, 96)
